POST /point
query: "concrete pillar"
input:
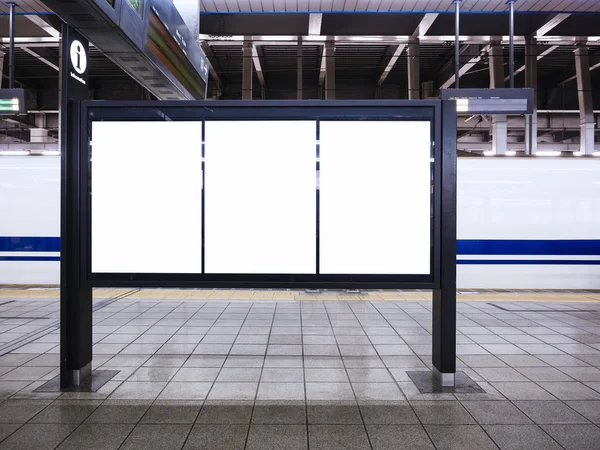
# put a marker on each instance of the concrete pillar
(584, 94)
(531, 54)
(499, 123)
(247, 71)
(413, 70)
(329, 70)
(299, 93)
(427, 89)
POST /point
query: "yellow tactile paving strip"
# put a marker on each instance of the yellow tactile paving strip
(214, 294)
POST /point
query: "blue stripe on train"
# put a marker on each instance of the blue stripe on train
(528, 247)
(29, 258)
(29, 244)
(540, 262)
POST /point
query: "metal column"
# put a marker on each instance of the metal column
(299, 93)
(457, 43)
(11, 46)
(531, 54)
(414, 83)
(511, 48)
(444, 297)
(75, 292)
(584, 95)
(247, 71)
(499, 122)
(329, 70)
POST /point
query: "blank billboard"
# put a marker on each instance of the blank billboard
(146, 197)
(260, 197)
(375, 197)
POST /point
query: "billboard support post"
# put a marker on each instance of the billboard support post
(75, 291)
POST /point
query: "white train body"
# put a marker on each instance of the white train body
(523, 223)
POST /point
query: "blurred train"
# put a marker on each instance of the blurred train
(523, 223)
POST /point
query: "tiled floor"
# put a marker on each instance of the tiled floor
(303, 374)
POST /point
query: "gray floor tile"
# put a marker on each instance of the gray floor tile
(233, 391)
(549, 412)
(282, 375)
(460, 437)
(189, 390)
(329, 391)
(159, 437)
(330, 375)
(153, 374)
(67, 411)
(442, 412)
(217, 437)
(575, 437)
(476, 361)
(338, 437)
(284, 350)
(279, 413)
(357, 350)
(122, 411)
(590, 409)
(523, 391)
(277, 437)
(333, 413)
(495, 412)
(223, 412)
(239, 374)
(37, 437)
(500, 374)
(544, 374)
(582, 373)
(399, 437)
(383, 413)
(25, 373)
(520, 437)
(6, 429)
(207, 374)
(134, 390)
(573, 390)
(172, 413)
(201, 360)
(20, 411)
(377, 392)
(95, 436)
(522, 360)
(281, 391)
(369, 375)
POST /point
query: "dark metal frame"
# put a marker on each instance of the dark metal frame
(77, 281)
(267, 110)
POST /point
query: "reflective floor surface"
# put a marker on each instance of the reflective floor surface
(303, 374)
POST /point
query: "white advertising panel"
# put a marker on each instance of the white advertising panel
(375, 191)
(146, 197)
(260, 197)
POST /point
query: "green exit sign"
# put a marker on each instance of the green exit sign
(12, 101)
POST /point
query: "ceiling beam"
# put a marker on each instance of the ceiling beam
(315, 21)
(552, 23)
(41, 58)
(540, 56)
(257, 66)
(43, 25)
(322, 67)
(390, 65)
(290, 40)
(465, 67)
(425, 24)
(420, 31)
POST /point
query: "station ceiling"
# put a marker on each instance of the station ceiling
(397, 5)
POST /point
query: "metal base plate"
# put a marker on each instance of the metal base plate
(428, 383)
(98, 379)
